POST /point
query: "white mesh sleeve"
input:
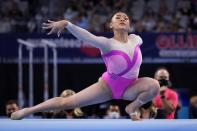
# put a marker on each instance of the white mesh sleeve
(82, 34)
(139, 39)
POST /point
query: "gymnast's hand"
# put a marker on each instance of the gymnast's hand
(55, 26)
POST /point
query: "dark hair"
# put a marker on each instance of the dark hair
(9, 102)
(107, 25)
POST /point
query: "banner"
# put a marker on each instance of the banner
(169, 48)
(156, 48)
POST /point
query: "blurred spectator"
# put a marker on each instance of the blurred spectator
(149, 22)
(177, 111)
(65, 114)
(31, 25)
(139, 27)
(119, 5)
(113, 112)
(149, 111)
(193, 107)
(168, 98)
(136, 9)
(10, 107)
(154, 15)
(82, 21)
(5, 25)
(93, 114)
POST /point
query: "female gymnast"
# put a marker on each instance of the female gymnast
(122, 57)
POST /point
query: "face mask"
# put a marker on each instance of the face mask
(164, 82)
(114, 115)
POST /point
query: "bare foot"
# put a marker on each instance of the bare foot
(20, 114)
(131, 109)
(135, 116)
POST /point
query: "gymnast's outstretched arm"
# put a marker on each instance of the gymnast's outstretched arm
(78, 32)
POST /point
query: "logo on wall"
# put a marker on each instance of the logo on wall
(177, 46)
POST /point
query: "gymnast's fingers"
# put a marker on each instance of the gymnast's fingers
(47, 26)
(52, 31)
(50, 21)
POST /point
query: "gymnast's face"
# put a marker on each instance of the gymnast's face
(120, 22)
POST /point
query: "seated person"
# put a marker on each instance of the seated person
(149, 111)
(113, 112)
(10, 107)
(67, 114)
(193, 107)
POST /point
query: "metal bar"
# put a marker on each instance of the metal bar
(55, 66)
(31, 76)
(49, 43)
(20, 77)
(25, 43)
(30, 47)
(55, 73)
(46, 74)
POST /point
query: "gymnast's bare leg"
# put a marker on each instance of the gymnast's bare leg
(142, 91)
(96, 93)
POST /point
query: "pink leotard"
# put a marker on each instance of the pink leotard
(122, 60)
